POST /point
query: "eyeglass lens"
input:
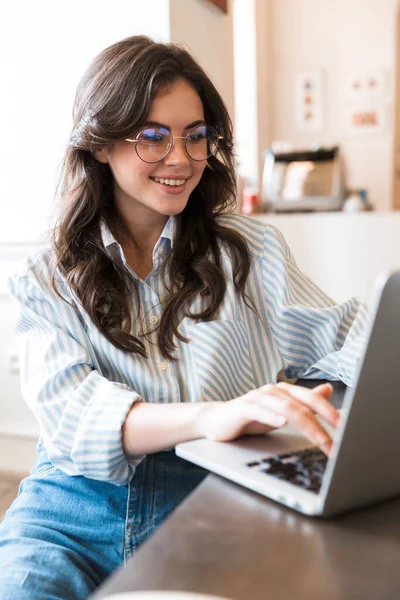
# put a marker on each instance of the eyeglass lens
(154, 143)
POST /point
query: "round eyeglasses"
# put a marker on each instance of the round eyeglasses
(155, 143)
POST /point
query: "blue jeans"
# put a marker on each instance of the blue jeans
(64, 535)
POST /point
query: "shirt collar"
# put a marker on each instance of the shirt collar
(167, 233)
(106, 236)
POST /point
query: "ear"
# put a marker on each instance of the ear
(102, 155)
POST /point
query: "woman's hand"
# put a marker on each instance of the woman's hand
(270, 407)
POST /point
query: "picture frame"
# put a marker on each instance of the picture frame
(309, 96)
(365, 101)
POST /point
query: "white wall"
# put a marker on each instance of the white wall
(253, 83)
(339, 36)
(245, 85)
(207, 32)
(45, 48)
(265, 72)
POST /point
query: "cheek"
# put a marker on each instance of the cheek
(199, 172)
(128, 173)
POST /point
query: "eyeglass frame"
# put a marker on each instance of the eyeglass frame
(174, 137)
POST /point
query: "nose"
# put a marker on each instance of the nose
(177, 155)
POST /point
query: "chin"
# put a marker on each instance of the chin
(173, 212)
(169, 208)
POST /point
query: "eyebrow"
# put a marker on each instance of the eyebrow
(190, 126)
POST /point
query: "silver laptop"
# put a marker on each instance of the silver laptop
(364, 467)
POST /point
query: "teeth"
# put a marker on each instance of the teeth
(170, 181)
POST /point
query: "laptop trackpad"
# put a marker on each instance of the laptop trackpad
(281, 441)
(287, 439)
(252, 447)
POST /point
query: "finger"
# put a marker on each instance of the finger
(297, 414)
(257, 413)
(315, 400)
(325, 389)
(257, 428)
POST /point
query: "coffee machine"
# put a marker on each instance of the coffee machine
(303, 180)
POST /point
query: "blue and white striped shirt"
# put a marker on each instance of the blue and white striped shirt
(81, 388)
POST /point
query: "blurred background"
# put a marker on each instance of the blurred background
(312, 87)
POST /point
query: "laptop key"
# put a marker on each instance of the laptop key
(305, 468)
(253, 463)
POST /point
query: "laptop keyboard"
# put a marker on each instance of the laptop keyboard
(304, 469)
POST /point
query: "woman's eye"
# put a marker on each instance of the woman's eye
(151, 138)
(196, 137)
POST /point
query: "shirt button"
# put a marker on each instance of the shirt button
(163, 366)
(153, 319)
(160, 251)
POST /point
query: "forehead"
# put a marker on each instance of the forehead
(177, 104)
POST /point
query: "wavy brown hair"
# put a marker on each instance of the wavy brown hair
(112, 102)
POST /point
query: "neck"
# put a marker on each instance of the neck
(145, 234)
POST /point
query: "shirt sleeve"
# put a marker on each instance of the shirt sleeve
(80, 412)
(316, 337)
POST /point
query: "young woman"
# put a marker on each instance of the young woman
(156, 316)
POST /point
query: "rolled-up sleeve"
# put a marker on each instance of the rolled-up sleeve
(316, 337)
(80, 412)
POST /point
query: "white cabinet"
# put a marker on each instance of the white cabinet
(343, 253)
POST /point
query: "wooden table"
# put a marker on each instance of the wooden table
(226, 540)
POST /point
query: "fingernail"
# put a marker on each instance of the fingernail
(323, 440)
(326, 447)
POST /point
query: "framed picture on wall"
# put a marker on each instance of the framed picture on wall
(308, 97)
(365, 101)
(222, 4)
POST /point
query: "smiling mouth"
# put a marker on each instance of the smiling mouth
(174, 183)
